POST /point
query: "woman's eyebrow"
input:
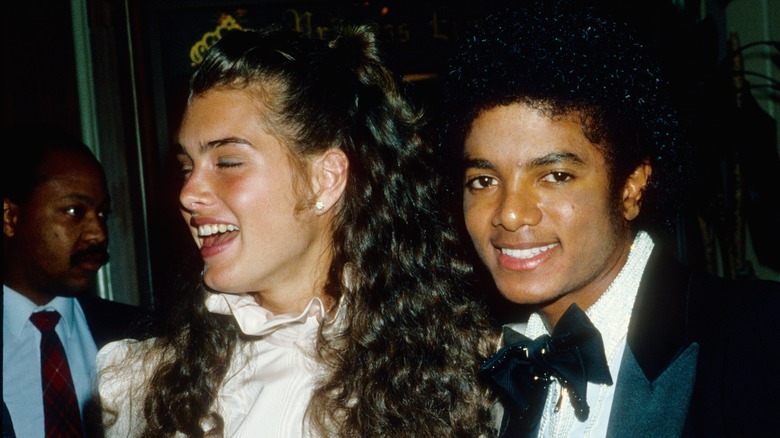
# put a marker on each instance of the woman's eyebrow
(222, 142)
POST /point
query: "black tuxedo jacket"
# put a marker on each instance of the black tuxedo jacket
(702, 357)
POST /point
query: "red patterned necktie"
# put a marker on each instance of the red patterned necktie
(60, 406)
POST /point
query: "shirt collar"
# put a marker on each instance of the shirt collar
(255, 320)
(17, 310)
(612, 311)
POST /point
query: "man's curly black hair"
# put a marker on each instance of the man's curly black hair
(561, 57)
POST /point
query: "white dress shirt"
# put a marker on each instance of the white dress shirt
(268, 385)
(22, 391)
(611, 315)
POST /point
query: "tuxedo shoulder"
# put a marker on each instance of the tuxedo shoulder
(735, 323)
(748, 291)
(742, 311)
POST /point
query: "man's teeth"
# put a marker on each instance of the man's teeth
(208, 230)
(526, 253)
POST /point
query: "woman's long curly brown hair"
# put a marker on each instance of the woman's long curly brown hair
(404, 359)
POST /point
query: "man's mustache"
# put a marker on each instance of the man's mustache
(97, 254)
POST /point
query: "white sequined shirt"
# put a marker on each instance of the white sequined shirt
(611, 315)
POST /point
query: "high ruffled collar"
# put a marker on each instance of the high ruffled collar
(255, 320)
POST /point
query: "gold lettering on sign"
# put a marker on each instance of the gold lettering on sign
(435, 26)
(301, 21)
(226, 22)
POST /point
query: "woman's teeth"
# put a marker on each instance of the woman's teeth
(208, 230)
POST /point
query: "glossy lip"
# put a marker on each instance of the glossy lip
(199, 221)
(211, 251)
(531, 256)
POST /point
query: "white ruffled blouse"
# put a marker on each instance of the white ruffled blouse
(267, 388)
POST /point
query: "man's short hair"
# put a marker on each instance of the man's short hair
(25, 148)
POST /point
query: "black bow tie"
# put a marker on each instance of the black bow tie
(523, 369)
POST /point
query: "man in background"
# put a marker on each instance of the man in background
(55, 208)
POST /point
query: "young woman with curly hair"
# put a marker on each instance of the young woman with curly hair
(332, 299)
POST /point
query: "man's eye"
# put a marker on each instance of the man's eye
(74, 211)
(558, 177)
(480, 182)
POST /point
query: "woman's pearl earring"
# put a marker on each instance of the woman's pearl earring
(319, 206)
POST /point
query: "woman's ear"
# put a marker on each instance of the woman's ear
(634, 189)
(329, 178)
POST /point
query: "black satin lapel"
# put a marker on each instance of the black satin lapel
(659, 407)
(658, 329)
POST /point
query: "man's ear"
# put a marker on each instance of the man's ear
(10, 216)
(329, 178)
(634, 189)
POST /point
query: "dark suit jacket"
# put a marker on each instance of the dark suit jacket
(702, 357)
(108, 321)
